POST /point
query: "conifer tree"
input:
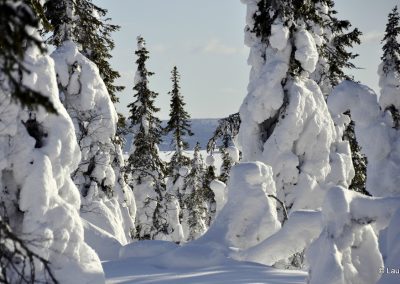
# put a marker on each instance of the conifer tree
(145, 168)
(389, 69)
(283, 37)
(208, 193)
(194, 206)
(225, 133)
(179, 126)
(358, 183)
(86, 98)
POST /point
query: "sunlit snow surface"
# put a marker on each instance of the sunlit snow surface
(156, 269)
(134, 271)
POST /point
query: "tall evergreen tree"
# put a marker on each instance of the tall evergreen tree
(145, 167)
(195, 214)
(147, 130)
(179, 126)
(86, 98)
(276, 128)
(389, 69)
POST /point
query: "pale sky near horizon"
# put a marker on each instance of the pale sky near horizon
(204, 39)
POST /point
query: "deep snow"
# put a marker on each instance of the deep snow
(158, 266)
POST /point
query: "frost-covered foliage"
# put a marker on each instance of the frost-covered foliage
(157, 209)
(39, 201)
(389, 70)
(104, 201)
(249, 187)
(285, 120)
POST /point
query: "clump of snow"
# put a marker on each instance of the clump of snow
(184, 171)
(233, 153)
(210, 160)
(41, 201)
(279, 36)
(248, 187)
(306, 50)
(220, 192)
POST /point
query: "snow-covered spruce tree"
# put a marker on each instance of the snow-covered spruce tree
(285, 119)
(41, 233)
(106, 202)
(179, 125)
(194, 205)
(157, 212)
(389, 70)
(226, 132)
(95, 43)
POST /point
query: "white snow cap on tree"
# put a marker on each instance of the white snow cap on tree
(38, 154)
(88, 103)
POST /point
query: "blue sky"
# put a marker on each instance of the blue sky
(204, 39)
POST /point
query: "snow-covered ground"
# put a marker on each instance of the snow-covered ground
(154, 264)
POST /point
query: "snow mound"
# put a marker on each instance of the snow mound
(248, 187)
(146, 248)
(105, 244)
(297, 234)
(192, 256)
